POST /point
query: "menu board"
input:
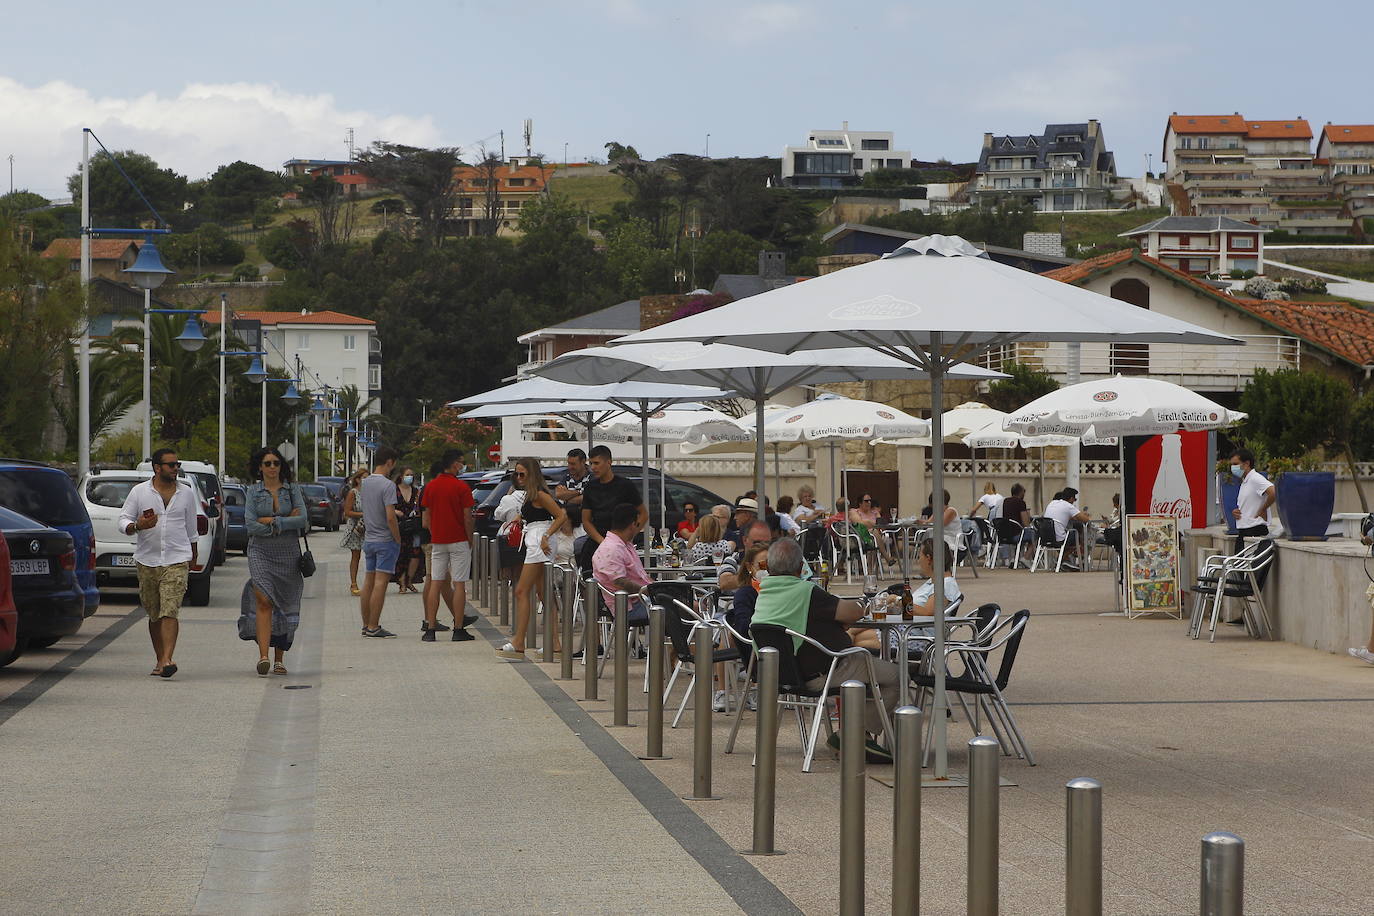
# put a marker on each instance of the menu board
(1151, 544)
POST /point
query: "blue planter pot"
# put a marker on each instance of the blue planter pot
(1230, 493)
(1306, 500)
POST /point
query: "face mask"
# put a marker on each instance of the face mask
(407, 480)
(1236, 470)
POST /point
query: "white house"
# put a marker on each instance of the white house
(836, 158)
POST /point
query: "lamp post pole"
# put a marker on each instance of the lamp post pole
(262, 345)
(83, 409)
(147, 374)
(223, 327)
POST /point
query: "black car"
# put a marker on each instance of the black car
(47, 594)
(323, 512)
(335, 487)
(235, 498)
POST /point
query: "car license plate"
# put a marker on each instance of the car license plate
(126, 559)
(28, 567)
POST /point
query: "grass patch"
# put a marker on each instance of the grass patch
(597, 193)
(1097, 231)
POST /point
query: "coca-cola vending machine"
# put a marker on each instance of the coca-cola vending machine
(1171, 474)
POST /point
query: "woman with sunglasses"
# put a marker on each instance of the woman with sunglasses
(543, 518)
(865, 518)
(276, 515)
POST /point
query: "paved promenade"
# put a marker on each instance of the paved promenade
(436, 778)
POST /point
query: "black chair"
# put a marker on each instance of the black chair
(681, 621)
(1047, 541)
(813, 541)
(978, 683)
(795, 695)
(1007, 533)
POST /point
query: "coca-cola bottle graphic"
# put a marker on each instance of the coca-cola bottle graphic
(1171, 496)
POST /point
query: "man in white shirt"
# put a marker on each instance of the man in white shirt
(1252, 503)
(162, 513)
(1066, 515)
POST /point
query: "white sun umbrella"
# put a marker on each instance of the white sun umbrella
(958, 423)
(943, 300)
(757, 374)
(994, 436)
(583, 416)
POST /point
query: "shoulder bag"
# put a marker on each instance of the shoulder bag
(306, 561)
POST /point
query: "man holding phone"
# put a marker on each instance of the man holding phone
(162, 514)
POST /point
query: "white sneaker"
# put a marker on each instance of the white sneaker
(1362, 654)
(751, 699)
(718, 701)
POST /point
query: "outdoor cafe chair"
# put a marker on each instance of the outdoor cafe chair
(1047, 542)
(987, 538)
(963, 551)
(977, 683)
(606, 623)
(681, 622)
(848, 546)
(1234, 577)
(814, 541)
(1007, 533)
(795, 695)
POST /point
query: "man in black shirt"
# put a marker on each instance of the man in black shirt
(602, 492)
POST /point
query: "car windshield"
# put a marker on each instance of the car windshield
(43, 494)
(314, 491)
(13, 521)
(233, 496)
(109, 493)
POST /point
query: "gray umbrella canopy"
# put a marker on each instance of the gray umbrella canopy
(754, 373)
(943, 300)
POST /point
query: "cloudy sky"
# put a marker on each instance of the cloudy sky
(196, 85)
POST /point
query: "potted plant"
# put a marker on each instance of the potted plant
(1306, 497)
(1229, 488)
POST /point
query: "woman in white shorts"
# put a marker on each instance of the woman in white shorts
(543, 519)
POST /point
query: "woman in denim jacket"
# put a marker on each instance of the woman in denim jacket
(275, 515)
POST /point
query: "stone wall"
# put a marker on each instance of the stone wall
(1305, 254)
(829, 263)
(243, 297)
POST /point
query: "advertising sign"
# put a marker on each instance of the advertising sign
(1151, 550)
(1170, 475)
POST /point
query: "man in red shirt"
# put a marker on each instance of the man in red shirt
(447, 503)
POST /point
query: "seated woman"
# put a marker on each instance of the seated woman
(709, 535)
(755, 570)
(864, 517)
(922, 600)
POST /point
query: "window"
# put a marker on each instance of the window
(1063, 201)
(1068, 138)
(1242, 241)
(875, 144)
(1168, 241)
(350, 341)
(894, 163)
(1001, 182)
(374, 377)
(1030, 182)
(858, 165)
(349, 377)
(517, 182)
(830, 141)
(824, 164)
(1244, 264)
(302, 341)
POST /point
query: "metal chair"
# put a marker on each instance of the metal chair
(681, 622)
(1234, 577)
(848, 545)
(1047, 541)
(1006, 533)
(795, 695)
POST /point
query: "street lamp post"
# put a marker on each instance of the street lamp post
(291, 398)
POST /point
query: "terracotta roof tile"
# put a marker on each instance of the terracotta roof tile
(274, 318)
(1296, 128)
(1344, 329)
(1208, 124)
(101, 249)
(1349, 133)
(1075, 273)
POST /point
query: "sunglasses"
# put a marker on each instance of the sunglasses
(865, 500)
(519, 475)
(271, 464)
(170, 464)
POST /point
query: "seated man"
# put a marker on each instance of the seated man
(1067, 517)
(616, 565)
(746, 511)
(787, 600)
(756, 532)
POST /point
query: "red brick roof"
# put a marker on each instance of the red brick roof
(273, 318)
(1076, 273)
(1342, 328)
(535, 176)
(1208, 124)
(101, 249)
(1297, 129)
(1349, 133)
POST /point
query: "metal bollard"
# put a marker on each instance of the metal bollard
(653, 749)
(1083, 848)
(569, 599)
(550, 612)
(1223, 875)
(591, 637)
(766, 755)
(478, 558)
(852, 776)
(494, 575)
(984, 802)
(906, 813)
(482, 579)
(702, 655)
(503, 597)
(622, 661)
(531, 625)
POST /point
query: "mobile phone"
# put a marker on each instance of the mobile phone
(148, 513)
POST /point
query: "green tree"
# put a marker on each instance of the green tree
(633, 264)
(557, 262)
(726, 251)
(423, 177)
(234, 192)
(289, 246)
(1025, 385)
(40, 307)
(209, 245)
(16, 202)
(115, 203)
(444, 430)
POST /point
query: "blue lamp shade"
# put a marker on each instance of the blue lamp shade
(191, 338)
(351, 430)
(292, 396)
(255, 373)
(148, 271)
(336, 419)
(319, 406)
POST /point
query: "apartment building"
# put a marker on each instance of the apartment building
(505, 187)
(1068, 167)
(1198, 245)
(1262, 172)
(1346, 151)
(839, 158)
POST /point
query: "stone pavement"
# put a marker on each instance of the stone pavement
(417, 778)
(403, 778)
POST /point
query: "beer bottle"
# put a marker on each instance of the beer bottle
(907, 603)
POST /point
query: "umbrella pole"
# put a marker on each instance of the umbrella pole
(589, 430)
(844, 491)
(760, 469)
(644, 464)
(937, 503)
(662, 491)
(834, 490)
(777, 471)
(973, 474)
(1122, 598)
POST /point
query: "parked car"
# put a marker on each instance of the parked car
(46, 494)
(235, 496)
(323, 513)
(47, 595)
(9, 617)
(213, 496)
(104, 493)
(335, 487)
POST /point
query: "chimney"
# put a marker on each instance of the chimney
(772, 265)
(844, 125)
(1092, 127)
(987, 140)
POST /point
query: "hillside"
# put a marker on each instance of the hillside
(597, 193)
(1096, 231)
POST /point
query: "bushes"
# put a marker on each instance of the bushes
(1264, 288)
(1299, 286)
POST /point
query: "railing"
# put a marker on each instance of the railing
(1057, 467)
(1212, 367)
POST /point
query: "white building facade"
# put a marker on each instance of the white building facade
(838, 158)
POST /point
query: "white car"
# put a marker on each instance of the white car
(213, 497)
(104, 493)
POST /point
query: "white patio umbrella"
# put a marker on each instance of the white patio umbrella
(994, 436)
(943, 300)
(585, 416)
(757, 374)
(957, 423)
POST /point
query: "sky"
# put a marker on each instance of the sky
(198, 85)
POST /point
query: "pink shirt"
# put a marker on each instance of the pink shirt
(614, 559)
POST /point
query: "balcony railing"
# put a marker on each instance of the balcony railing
(1205, 367)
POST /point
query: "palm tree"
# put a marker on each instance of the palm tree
(184, 384)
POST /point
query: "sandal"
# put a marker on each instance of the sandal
(279, 668)
(509, 651)
(264, 664)
(354, 589)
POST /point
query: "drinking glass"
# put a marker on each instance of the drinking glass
(717, 555)
(893, 513)
(870, 585)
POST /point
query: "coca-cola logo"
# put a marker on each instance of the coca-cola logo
(885, 415)
(1175, 508)
(1104, 396)
(1212, 416)
(793, 419)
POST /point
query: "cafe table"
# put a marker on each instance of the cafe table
(895, 623)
